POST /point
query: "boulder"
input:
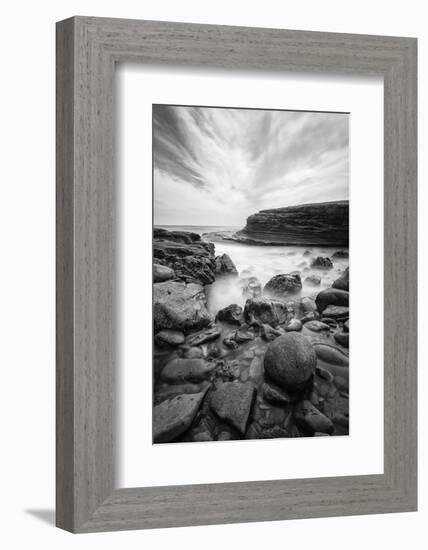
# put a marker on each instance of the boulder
(290, 361)
(173, 417)
(232, 402)
(243, 334)
(331, 296)
(309, 419)
(338, 313)
(178, 371)
(307, 304)
(179, 306)
(275, 394)
(231, 314)
(283, 285)
(293, 325)
(162, 273)
(322, 263)
(168, 337)
(225, 266)
(342, 283)
(203, 337)
(342, 338)
(264, 310)
(269, 333)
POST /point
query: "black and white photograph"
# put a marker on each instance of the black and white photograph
(250, 274)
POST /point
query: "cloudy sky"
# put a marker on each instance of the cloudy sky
(217, 166)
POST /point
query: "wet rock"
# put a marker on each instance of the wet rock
(243, 334)
(341, 254)
(202, 337)
(311, 420)
(321, 262)
(324, 374)
(171, 391)
(253, 431)
(316, 326)
(264, 310)
(341, 383)
(225, 266)
(251, 287)
(321, 434)
(293, 326)
(275, 394)
(331, 296)
(169, 337)
(162, 273)
(230, 343)
(311, 316)
(232, 402)
(332, 323)
(331, 354)
(307, 304)
(173, 417)
(342, 338)
(231, 314)
(284, 284)
(201, 436)
(225, 436)
(342, 283)
(312, 280)
(338, 313)
(274, 433)
(186, 370)
(290, 361)
(193, 353)
(269, 333)
(179, 306)
(346, 326)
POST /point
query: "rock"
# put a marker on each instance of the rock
(251, 287)
(312, 280)
(173, 417)
(331, 354)
(341, 383)
(341, 254)
(294, 325)
(283, 285)
(324, 223)
(316, 326)
(162, 273)
(231, 314)
(269, 333)
(290, 361)
(307, 304)
(186, 370)
(264, 310)
(178, 389)
(230, 343)
(179, 306)
(322, 263)
(311, 316)
(337, 312)
(331, 296)
(256, 369)
(169, 337)
(232, 402)
(202, 436)
(274, 433)
(193, 353)
(321, 434)
(243, 334)
(342, 283)
(342, 338)
(324, 374)
(225, 266)
(346, 326)
(274, 394)
(224, 436)
(202, 337)
(311, 420)
(191, 258)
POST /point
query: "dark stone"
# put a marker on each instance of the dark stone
(342, 283)
(283, 285)
(232, 402)
(341, 254)
(169, 337)
(230, 343)
(331, 296)
(243, 334)
(331, 354)
(324, 223)
(173, 417)
(167, 391)
(186, 370)
(202, 337)
(270, 333)
(179, 306)
(339, 313)
(231, 314)
(311, 420)
(311, 316)
(225, 266)
(275, 394)
(342, 338)
(265, 311)
(162, 273)
(290, 361)
(322, 263)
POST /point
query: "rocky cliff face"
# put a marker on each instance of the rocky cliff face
(323, 223)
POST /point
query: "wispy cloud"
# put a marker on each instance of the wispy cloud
(217, 166)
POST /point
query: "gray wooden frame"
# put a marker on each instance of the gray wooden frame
(87, 50)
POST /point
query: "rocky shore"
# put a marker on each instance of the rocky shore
(276, 367)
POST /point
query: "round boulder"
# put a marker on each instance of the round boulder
(284, 284)
(290, 361)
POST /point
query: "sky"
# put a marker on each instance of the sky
(217, 166)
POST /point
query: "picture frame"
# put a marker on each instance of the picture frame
(87, 50)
